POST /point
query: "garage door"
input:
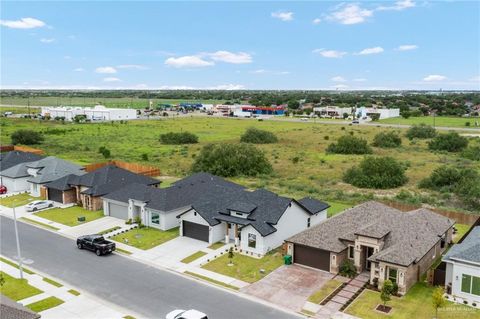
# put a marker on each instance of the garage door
(195, 230)
(118, 211)
(55, 195)
(311, 257)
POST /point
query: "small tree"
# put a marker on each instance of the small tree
(348, 144)
(256, 136)
(387, 140)
(450, 142)
(230, 256)
(104, 151)
(375, 117)
(345, 116)
(386, 292)
(438, 299)
(178, 138)
(422, 131)
(472, 153)
(26, 137)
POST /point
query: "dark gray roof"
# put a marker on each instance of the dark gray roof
(17, 171)
(64, 183)
(407, 236)
(313, 205)
(212, 197)
(10, 309)
(13, 158)
(52, 168)
(468, 250)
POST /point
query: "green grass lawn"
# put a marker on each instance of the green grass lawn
(74, 292)
(246, 268)
(439, 121)
(45, 304)
(337, 207)
(216, 245)
(462, 229)
(147, 237)
(326, 290)
(17, 289)
(31, 221)
(13, 264)
(213, 281)
(193, 257)
(52, 282)
(417, 303)
(109, 230)
(68, 216)
(17, 200)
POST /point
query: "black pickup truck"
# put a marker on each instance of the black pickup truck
(95, 243)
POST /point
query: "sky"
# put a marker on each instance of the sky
(324, 45)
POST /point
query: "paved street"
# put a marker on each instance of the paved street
(145, 290)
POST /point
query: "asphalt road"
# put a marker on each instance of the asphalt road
(146, 290)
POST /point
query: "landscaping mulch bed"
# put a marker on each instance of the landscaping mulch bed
(383, 309)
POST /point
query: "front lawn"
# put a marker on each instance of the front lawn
(462, 229)
(45, 304)
(17, 289)
(325, 291)
(246, 268)
(417, 303)
(69, 216)
(193, 257)
(146, 238)
(17, 200)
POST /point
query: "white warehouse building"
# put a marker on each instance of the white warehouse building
(96, 113)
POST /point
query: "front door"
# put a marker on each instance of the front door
(369, 253)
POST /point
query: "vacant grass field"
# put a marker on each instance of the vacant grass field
(17, 289)
(146, 238)
(19, 110)
(69, 216)
(439, 121)
(301, 166)
(122, 102)
(417, 303)
(246, 268)
(17, 200)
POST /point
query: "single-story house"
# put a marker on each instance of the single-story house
(89, 188)
(209, 208)
(9, 160)
(378, 239)
(30, 176)
(462, 276)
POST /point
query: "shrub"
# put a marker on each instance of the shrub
(420, 131)
(144, 157)
(472, 153)
(104, 151)
(347, 269)
(232, 160)
(450, 142)
(375, 117)
(387, 140)
(26, 137)
(386, 292)
(443, 178)
(178, 138)
(377, 172)
(349, 145)
(256, 136)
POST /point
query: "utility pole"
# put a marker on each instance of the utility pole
(18, 244)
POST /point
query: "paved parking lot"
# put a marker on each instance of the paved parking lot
(289, 286)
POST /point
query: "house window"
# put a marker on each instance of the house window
(194, 213)
(155, 218)
(471, 284)
(308, 222)
(442, 242)
(392, 274)
(351, 252)
(252, 240)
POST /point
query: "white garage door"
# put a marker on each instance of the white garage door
(118, 210)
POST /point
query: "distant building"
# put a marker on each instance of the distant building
(264, 110)
(332, 111)
(361, 112)
(96, 113)
(366, 112)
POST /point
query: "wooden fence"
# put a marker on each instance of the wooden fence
(28, 149)
(132, 167)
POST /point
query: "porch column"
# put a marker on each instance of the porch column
(227, 238)
(237, 240)
(357, 257)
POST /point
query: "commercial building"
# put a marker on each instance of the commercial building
(96, 113)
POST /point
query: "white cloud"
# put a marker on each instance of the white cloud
(374, 50)
(316, 21)
(111, 79)
(259, 71)
(188, 61)
(329, 53)
(47, 40)
(283, 15)
(360, 80)
(338, 78)
(231, 57)
(350, 14)
(282, 72)
(23, 23)
(434, 78)
(407, 47)
(132, 66)
(227, 87)
(398, 6)
(79, 69)
(106, 70)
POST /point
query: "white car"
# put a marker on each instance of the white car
(38, 204)
(186, 314)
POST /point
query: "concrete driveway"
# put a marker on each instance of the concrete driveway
(289, 286)
(170, 253)
(94, 227)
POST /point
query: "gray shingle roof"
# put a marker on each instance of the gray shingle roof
(313, 205)
(53, 168)
(13, 158)
(64, 183)
(407, 236)
(468, 250)
(10, 309)
(17, 171)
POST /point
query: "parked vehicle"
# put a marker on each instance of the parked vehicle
(38, 204)
(8, 113)
(95, 243)
(355, 122)
(186, 314)
(304, 119)
(3, 190)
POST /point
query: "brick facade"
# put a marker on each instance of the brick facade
(69, 196)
